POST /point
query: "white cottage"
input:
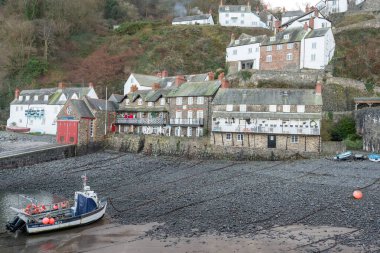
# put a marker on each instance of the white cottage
(204, 19)
(289, 15)
(37, 110)
(333, 6)
(312, 17)
(239, 15)
(244, 53)
(318, 49)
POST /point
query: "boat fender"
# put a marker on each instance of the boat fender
(45, 221)
(51, 221)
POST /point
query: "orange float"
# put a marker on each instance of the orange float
(51, 221)
(45, 221)
(357, 194)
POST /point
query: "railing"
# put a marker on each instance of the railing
(262, 129)
(141, 121)
(188, 122)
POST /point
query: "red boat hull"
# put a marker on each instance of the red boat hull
(18, 129)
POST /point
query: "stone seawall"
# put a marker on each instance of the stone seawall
(199, 148)
(30, 158)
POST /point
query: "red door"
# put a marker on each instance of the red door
(67, 132)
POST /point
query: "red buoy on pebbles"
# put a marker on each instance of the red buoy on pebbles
(45, 221)
(51, 221)
(357, 194)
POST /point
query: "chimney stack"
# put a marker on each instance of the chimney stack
(159, 74)
(17, 93)
(225, 84)
(257, 10)
(134, 88)
(61, 85)
(316, 12)
(221, 76)
(211, 76)
(307, 9)
(180, 79)
(91, 85)
(210, 11)
(232, 38)
(248, 4)
(221, 3)
(311, 23)
(165, 73)
(305, 26)
(156, 86)
(318, 88)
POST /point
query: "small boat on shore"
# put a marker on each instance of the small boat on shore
(343, 156)
(37, 218)
(17, 129)
(374, 157)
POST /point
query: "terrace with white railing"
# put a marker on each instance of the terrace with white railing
(187, 122)
(141, 121)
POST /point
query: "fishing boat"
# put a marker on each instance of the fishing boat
(37, 218)
(374, 157)
(343, 156)
(17, 129)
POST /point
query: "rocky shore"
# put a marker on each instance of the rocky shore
(13, 141)
(193, 198)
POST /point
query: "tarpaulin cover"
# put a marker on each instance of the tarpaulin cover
(85, 205)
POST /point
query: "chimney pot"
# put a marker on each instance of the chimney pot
(318, 88)
(156, 86)
(17, 93)
(211, 76)
(316, 12)
(61, 85)
(165, 73)
(221, 3)
(180, 79)
(134, 88)
(307, 9)
(225, 84)
(305, 26)
(311, 23)
(91, 85)
(221, 76)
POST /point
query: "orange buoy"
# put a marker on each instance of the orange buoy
(63, 205)
(357, 194)
(45, 221)
(51, 221)
(55, 207)
(43, 207)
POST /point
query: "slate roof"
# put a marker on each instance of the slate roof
(293, 14)
(191, 18)
(295, 35)
(82, 108)
(300, 18)
(235, 8)
(194, 89)
(267, 115)
(148, 80)
(317, 33)
(154, 95)
(101, 105)
(267, 97)
(245, 39)
(117, 98)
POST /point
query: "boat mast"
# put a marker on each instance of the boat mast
(84, 177)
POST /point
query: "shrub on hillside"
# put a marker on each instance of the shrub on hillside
(344, 128)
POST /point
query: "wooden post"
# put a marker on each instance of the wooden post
(232, 138)
(222, 138)
(213, 134)
(286, 143)
(249, 144)
(305, 143)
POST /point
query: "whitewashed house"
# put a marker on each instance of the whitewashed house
(289, 15)
(312, 17)
(239, 15)
(333, 6)
(244, 53)
(318, 49)
(204, 19)
(37, 110)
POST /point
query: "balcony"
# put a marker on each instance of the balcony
(141, 121)
(186, 122)
(233, 128)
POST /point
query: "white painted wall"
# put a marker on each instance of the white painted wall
(243, 54)
(208, 21)
(336, 6)
(132, 80)
(318, 23)
(241, 19)
(359, 1)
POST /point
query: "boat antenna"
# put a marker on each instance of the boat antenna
(84, 177)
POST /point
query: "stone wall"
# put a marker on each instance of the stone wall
(37, 157)
(368, 125)
(279, 60)
(199, 148)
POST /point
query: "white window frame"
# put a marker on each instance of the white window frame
(272, 108)
(150, 104)
(46, 97)
(228, 136)
(199, 132)
(250, 50)
(20, 98)
(162, 101)
(289, 57)
(269, 48)
(279, 47)
(178, 114)
(177, 131)
(200, 100)
(35, 97)
(313, 57)
(27, 98)
(290, 46)
(314, 45)
(200, 114)
(190, 114)
(285, 108)
(127, 101)
(294, 139)
(234, 52)
(273, 38)
(189, 131)
(268, 58)
(243, 108)
(286, 36)
(139, 101)
(190, 100)
(240, 137)
(178, 100)
(301, 108)
(229, 108)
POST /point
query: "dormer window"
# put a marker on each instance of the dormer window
(27, 98)
(253, 39)
(227, 8)
(46, 97)
(35, 98)
(243, 8)
(20, 98)
(127, 101)
(140, 101)
(272, 38)
(150, 104)
(286, 36)
(162, 101)
(237, 42)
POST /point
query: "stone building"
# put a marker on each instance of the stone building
(190, 106)
(84, 121)
(268, 118)
(144, 112)
(239, 16)
(283, 50)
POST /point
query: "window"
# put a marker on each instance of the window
(178, 101)
(189, 132)
(43, 121)
(140, 101)
(279, 47)
(150, 104)
(228, 136)
(46, 97)
(91, 128)
(200, 100)
(269, 48)
(286, 36)
(286, 108)
(240, 137)
(253, 39)
(190, 114)
(294, 139)
(234, 52)
(178, 114)
(290, 45)
(272, 38)
(35, 97)
(289, 57)
(127, 101)
(257, 49)
(31, 122)
(178, 131)
(190, 100)
(16, 108)
(272, 108)
(314, 45)
(199, 131)
(243, 9)
(200, 114)
(301, 108)
(250, 50)
(227, 14)
(162, 101)
(20, 98)
(243, 108)
(269, 58)
(229, 108)
(27, 98)
(313, 57)
(227, 22)
(242, 22)
(20, 120)
(21, 108)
